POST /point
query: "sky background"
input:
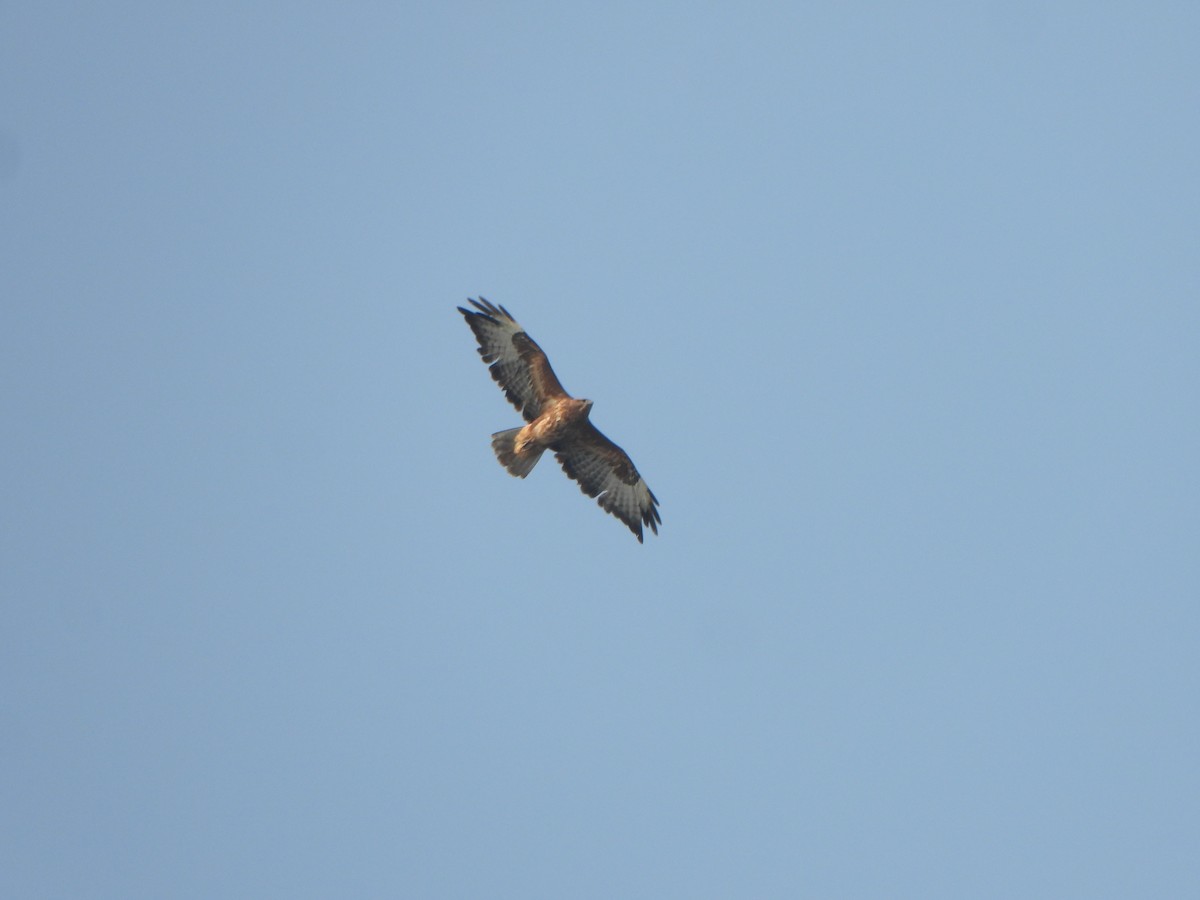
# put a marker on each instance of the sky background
(895, 306)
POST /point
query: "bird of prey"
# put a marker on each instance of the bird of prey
(556, 421)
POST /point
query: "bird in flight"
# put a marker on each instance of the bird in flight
(556, 421)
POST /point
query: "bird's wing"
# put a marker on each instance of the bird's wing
(515, 360)
(606, 472)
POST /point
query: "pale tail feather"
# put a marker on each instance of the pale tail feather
(517, 463)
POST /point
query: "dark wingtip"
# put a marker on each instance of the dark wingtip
(487, 310)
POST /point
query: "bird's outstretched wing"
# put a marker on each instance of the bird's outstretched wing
(515, 360)
(606, 472)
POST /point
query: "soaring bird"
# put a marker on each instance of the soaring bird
(556, 421)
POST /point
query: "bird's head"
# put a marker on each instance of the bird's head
(585, 405)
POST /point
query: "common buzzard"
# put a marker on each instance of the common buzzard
(557, 421)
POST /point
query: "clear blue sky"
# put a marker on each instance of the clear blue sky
(895, 306)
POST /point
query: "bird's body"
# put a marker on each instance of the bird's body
(556, 421)
(519, 449)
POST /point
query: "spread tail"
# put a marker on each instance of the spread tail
(518, 462)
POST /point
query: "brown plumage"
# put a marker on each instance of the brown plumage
(557, 421)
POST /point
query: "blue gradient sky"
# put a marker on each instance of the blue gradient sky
(894, 306)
